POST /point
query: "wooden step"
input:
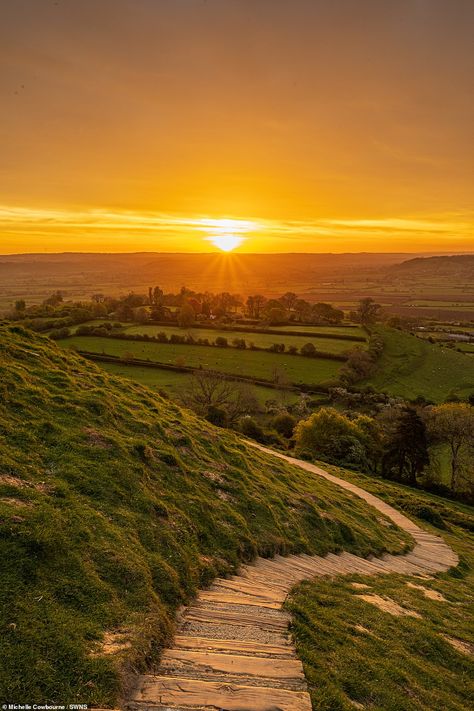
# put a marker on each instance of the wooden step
(224, 646)
(285, 673)
(161, 692)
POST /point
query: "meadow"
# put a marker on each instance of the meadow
(257, 364)
(261, 340)
(411, 367)
(176, 384)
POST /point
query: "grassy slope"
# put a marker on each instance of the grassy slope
(115, 505)
(229, 360)
(410, 367)
(352, 651)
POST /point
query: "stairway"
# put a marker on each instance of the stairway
(233, 650)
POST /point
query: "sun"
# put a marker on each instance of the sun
(226, 242)
(226, 234)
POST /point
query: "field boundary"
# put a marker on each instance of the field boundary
(107, 358)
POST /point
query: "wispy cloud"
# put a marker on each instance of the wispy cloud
(191, 233)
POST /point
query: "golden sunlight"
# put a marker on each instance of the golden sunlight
(227, 242)
(227, 234)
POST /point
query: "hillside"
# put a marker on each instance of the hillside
(411, 367)
(416, 651)
(115, 506)
(458, 266)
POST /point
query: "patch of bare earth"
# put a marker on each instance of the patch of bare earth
(113, 642)
(431, 594)
(95, 438)
(360, 586)
(459, 644)
(386, 604)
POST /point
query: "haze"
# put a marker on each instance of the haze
(268, 126)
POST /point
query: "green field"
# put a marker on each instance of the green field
(175, 383)
(334, 330)
(262, 340)
(357, 655)
(257, 364)
(411, 367)
(116, 506)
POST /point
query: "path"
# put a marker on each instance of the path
(233, 651)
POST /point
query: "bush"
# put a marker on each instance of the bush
(250, 428)
(221, 342)
(217, 416)
(284, 424)
(328, 435)
(308, 350)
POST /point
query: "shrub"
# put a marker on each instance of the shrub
(284, 424)
(308, 350)
(328, 435)
(250, 428)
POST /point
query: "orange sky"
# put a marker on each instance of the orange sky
(314, 125)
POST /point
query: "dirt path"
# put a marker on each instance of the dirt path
(233, 652)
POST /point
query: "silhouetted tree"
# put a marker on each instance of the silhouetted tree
(406, 453)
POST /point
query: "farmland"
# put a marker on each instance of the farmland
(261, 340)
(258, 364)
(175, 383)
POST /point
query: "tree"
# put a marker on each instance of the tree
(453, 424)
(368, 311)
(211, 391)
(53, 300)
(302, 309)
(186, 316)
(20, 305)
(157, 298)
(288, 300)
(140, 315)
(327, 434)
(276, 315)
(406, 453)
(255, 305)
(325, 313)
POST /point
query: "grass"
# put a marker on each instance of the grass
(355, 653)
(262, 340)
(411, 367)
(175, 383)
(258, 364)
(115, 506)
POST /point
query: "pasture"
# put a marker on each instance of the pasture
(411, 367)
(175, 383)
(257, 364)
(261, 340)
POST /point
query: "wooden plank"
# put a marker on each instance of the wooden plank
(236, 599)
(200, 662)
(216, 616)
(229, 646)
(178, 693)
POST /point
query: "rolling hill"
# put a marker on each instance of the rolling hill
(115, 506)
(411, 367)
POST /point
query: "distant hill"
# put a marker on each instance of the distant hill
(115, 505)
(461, 266)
